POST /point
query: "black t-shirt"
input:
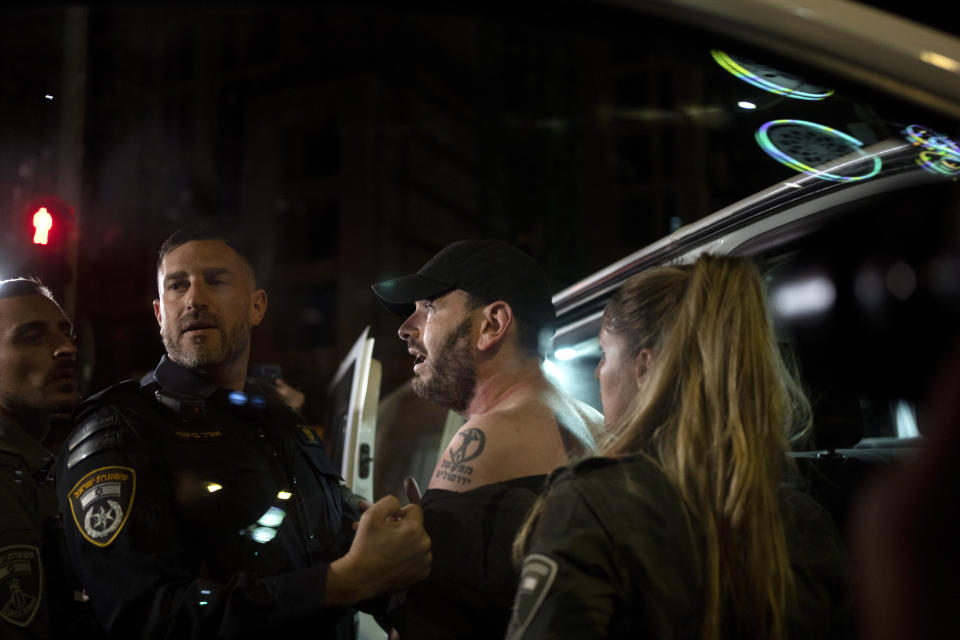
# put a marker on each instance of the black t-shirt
(472, 582)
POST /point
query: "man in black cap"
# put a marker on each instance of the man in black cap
(478, 316)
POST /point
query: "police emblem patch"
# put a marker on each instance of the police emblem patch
(536, 577)
(309, 434)
(21, 584)
(100, 503)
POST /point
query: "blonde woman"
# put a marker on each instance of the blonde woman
(687, 525)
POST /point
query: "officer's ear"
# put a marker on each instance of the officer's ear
(156, 310)
(258, 306)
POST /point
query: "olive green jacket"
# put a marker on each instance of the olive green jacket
(27, 505)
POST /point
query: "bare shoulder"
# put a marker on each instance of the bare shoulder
(498, 446)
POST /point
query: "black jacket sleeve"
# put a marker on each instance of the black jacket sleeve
(611, 556)
(615, 555)
(568, 579)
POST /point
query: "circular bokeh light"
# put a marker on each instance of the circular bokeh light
(769, 79)
(803, 145)
(940, 154)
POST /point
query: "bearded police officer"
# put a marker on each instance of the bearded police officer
(199, 504)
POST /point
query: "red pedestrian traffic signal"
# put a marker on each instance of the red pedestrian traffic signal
(49, 221)
(42, 223)
(43, 246)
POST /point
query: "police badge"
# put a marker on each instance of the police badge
(100, 503)
(21, 583)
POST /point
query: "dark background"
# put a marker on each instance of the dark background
(348, 143)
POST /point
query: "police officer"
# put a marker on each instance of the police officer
(37, 381)
(691, 521)
(198, 504)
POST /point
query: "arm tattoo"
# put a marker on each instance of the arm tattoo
(471, 445)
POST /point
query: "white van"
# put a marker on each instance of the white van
(844, 126)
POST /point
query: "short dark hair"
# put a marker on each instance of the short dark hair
(205, 231)
(528, 333)
(25, 286)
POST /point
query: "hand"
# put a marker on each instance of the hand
(390, 551)
(294, 398)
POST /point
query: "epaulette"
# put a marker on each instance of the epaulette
(101, 430)
(594, 462)
(99, 425)
(581, 467)
(99, 399)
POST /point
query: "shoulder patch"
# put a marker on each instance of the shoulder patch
(536, 578)
(101, 502)
(21, 584)
(309, 435)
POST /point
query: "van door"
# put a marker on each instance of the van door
(349, 431)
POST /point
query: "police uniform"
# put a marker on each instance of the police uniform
(27, 501)
(614, 555)
(194, 511)
(38, 598)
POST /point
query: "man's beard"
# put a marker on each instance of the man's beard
(202, 355)
(453, 378)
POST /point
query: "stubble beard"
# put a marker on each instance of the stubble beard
(453, 378)
(195, 353)
(32, 408)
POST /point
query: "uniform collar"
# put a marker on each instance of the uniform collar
(180, 380)
(15, 440)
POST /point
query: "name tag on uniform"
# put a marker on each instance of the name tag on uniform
(198, 436)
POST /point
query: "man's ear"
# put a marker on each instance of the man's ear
(497, 319)
(642, 365)
(258, 307)
(156, 310)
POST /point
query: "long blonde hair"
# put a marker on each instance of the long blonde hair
(717, 414)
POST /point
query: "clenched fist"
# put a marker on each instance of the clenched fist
(390, 551)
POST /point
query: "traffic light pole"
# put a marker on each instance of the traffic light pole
(72, 100)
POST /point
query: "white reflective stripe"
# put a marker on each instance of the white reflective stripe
(536, 578)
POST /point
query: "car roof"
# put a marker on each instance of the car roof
(891, 54)
(860, 42)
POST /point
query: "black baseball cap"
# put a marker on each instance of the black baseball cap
(488, 269)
